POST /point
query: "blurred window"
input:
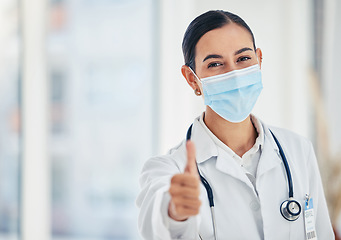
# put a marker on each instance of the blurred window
(9, 120)
(100, 73)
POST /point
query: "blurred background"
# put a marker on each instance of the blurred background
(90, 89)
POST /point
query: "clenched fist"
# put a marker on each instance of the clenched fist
(185, 189)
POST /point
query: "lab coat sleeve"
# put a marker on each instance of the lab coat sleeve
(322, 221)
(154, 222)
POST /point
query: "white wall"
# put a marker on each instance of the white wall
(35, 201)
(331, 85)
(282, 30)
(331, 73)
(178, 104)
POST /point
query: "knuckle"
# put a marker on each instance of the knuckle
(175, 178)
(177, 201)
(171, 190)
(179, 209)
(198, 203)
(196, 192)
(194, 179)
(192, 212)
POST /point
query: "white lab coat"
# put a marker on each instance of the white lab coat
(238, 207)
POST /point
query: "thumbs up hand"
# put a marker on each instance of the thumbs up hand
(185, 189)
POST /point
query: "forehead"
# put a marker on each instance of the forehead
(224, 41)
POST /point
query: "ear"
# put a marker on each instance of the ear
(259, 56)
(190, 78)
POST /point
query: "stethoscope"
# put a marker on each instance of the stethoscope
(290, 209)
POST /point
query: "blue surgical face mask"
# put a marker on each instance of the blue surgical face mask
(233, 95)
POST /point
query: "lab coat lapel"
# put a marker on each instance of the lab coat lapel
(207, 150)
(204, 145)
(270, 157)
(226, 164)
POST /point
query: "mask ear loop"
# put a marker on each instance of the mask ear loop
(195, 74)
(196, 91)
(261, 60)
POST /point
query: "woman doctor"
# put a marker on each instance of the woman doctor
(256, 193)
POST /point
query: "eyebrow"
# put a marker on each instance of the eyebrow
(242, 50)
(219, 56)
(212, 56)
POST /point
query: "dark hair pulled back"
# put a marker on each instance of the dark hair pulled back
(204, 23)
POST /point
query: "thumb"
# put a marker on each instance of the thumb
(191, 166)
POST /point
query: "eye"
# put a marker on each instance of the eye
(243, 58)
(214, 64)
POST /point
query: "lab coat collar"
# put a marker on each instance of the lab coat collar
(259, 127)
(227, 164)
(206, 149)
(269, 136)
(205, 146)
(270, 157)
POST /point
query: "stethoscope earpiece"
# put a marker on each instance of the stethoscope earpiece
(290, 209)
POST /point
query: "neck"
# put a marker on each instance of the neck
(240, 137)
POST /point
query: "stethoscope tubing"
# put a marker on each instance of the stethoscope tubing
(210, 192)
(286, 165)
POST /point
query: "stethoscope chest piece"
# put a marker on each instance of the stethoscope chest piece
(290, 209)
